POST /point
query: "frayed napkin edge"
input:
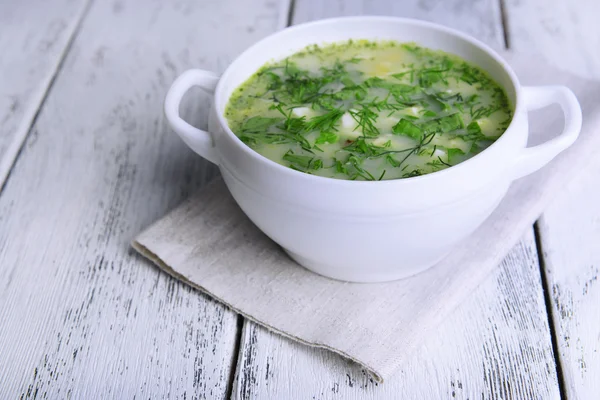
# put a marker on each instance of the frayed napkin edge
(156, 260)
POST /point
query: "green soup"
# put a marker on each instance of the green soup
(369, 110)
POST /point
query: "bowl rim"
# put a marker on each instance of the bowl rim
(518, 104)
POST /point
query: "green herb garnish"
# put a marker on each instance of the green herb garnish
(405, 127)
(445, 124)
(369, 120)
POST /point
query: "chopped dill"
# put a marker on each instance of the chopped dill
(343, 111)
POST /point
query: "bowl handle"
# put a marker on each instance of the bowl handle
(533, 158)
(197, 139)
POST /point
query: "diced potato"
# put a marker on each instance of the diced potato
(302, 112)
(348, 122)
(439, 153)
(348, 127)
(385, 123)
(486, 125)
(350, 134)
(464, 89)
(414, 111)
(383, 139)
(458, 144)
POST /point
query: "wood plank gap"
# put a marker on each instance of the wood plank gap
(538, 245)
(290, 13)
(286, 13)
(14, 150)
(550, 316)
(236, 356)
(287, 16)
(504, 22)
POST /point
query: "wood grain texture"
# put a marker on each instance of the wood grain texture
(81, 315)
(563, 32)
(497, 345)
(34, 36)
(480, 18)
(567, 34)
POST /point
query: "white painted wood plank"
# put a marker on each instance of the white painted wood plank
(568, 35)
(563, 32)
(82, 316)
(480, 18)
(570, 234)
(34, 35)
(497, 345)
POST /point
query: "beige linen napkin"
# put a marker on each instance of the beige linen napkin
(208, 243)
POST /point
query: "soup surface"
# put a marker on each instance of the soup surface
(369, 110)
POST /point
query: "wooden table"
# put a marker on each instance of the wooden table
(87, 161)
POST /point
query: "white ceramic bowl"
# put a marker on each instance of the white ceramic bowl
(370, 231)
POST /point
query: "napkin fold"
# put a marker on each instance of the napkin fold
(208, 243)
